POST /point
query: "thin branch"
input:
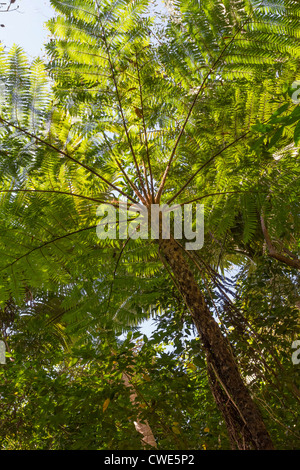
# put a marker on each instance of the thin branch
(293, 263)
(133, 186)
(61, 152)
(160, 190)
(145, 134)
(227, 393)
(222, 249)
(215, 194)
(205, 164)
(47, 243)
(115, 270)
(121, 168)
(51, 191)
(121, 108)
(218, 285)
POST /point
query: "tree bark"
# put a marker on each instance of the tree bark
(242, 417)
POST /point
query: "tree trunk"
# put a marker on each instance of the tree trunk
(243, 419)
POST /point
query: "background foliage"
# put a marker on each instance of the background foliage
(194, 105)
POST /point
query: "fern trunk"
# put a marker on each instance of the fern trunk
(243, 420)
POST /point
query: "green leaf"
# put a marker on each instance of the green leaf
(297, 134)
(276, 137)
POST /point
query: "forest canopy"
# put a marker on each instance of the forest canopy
(130, 342)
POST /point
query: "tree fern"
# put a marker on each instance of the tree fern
(155, 114)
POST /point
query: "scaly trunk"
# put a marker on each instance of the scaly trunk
(243, 419)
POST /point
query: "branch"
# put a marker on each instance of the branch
(121, 108)
(160, 190)
(121, 168)
(47, 243)
(293, 263)
(131, 184)
(113, 202)
(61, 152)
(207, 163)
(145, 134)
(115, 271)
(215, 194)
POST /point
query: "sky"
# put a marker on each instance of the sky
(24, 25)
